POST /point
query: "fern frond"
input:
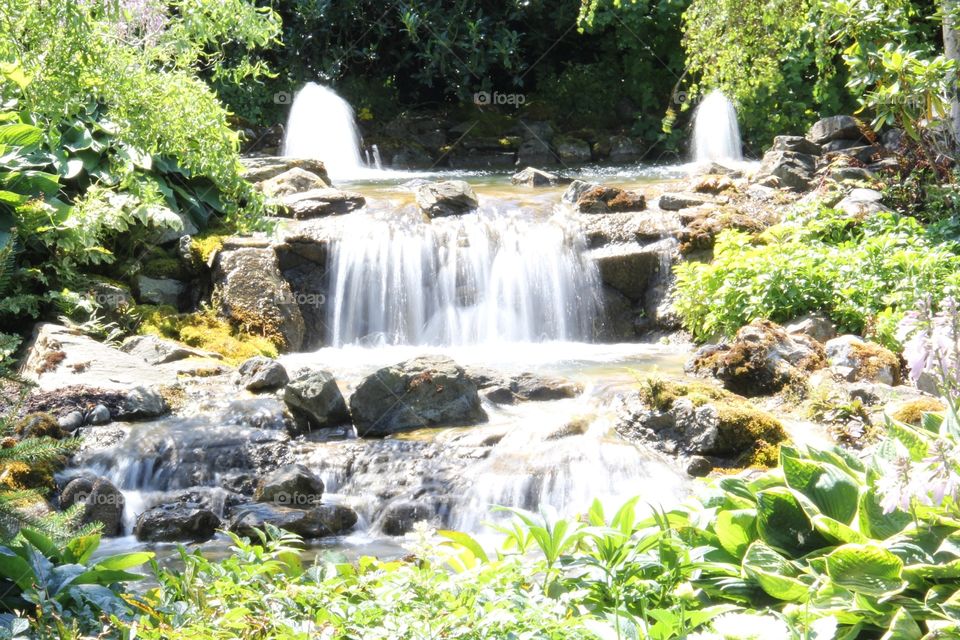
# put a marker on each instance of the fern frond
(8, 264)
(34, 450)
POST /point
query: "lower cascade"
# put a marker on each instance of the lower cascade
(498, 276)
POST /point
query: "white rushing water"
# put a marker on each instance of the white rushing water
(716, 134)
(485, 278)
(321, 126)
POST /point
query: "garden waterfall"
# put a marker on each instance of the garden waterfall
(321, 126)
(716, 134)
(494, 276)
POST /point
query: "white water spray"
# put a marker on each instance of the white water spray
(716, 134)
(487, 278)
(321, 126)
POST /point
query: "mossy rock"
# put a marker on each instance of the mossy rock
(912, 411)
(166, 267)
(38, 425)
(660, 393)
(203, 248)
(20, 476)
(743, 427)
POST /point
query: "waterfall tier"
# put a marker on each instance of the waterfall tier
(716, 134)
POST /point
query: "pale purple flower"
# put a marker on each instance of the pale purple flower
(937, 474)
(895, 486)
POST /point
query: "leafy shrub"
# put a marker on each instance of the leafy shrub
(864, 274)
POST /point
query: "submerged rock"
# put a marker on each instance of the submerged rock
(293, 485)
(429, 391)
(260, 373)
(857, 360)
(316, 522)
(315, 400)
(447, 198)
(523, 387)
(176, 522)
(762, 359)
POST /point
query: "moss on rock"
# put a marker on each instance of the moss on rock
(38, 425)
(912, 411)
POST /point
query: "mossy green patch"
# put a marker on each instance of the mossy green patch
(912, 411)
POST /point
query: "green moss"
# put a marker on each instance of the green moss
(203, 247)
(912, 411)
(38, 425)
(17, 475)
(165, 267)
(763, 455)
(742, 427)
(874, 358)
(660, 394)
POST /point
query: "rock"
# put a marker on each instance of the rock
(102, 501)
(447, 198)
(143, 402)
(317, 203)
(862, 202)
(293, 485)
(596, 198)
(160, 291)
(623, 149)
(255, 295)
(762, 359)
(187, 227)
(71, 422)
(678, 201)
(60, 357)
(99, 415)
(814, 325)
(863, 361)
(267, 167)
(867, 153)
(835, 128)
(535, 151)
(714, 185)
(572, 150)
(531, 177)
(317, 522)
(413, 156)
(797, 144)
(176, 522)
(315, 400)
(617, 324)
(156, 350)
(787, 169)
(699, 467)
(291, 181)
(260, 373)
(627, 268)
(430, 391)
(523, 387)
(852, 173)
(401, 514)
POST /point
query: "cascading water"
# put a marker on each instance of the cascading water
(481, 278)
(321, 126)
(716, 134)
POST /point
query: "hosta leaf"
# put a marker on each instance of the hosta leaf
(903, 627)
(20, 135)
(735, 530)
(916, 444)
(783, 523)
(833, 491)
(774, 573)
(836, 531)
(867, 569)
(924, 572)
(874, 523)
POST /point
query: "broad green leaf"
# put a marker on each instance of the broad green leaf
(874, 523)
(735, 530)
(466, 541)
(774, 573)
(903, 627)
(915, 443)
(783, 523)
(125, 560)
(836, 531)
(80, 549)
(924, 572)
(15, 568)
(833, 491)
(867, 569)
(20, 135)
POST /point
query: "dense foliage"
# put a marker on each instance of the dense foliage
(865, 274)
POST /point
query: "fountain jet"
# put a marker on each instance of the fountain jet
(716, 134)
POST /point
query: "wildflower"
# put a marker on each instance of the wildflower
(937, 474)
(895, 486)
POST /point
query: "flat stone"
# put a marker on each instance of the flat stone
(318, 203)
(678, 201)
(447, 198)
(531, 177)
(160, 291)
(155, 350)
(292, 181)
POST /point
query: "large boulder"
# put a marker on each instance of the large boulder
(797, 144)
(762, 359)
(291, 181)
(447, 198)
(429, 391)
(835, 128)
(535, 151)
(260, 373)
(858, 360)
(815, 325)
(143, 402)
(787, 170)
(160, 291)
(157, 350)
(572, 150)
(860, 203)
(628, 268)
(61, 357)
(314, 398)
(293, 485)
(317, 203)
(253, 294)
(623, 149)
(176, 522)
(102, 503)
(316, 522)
